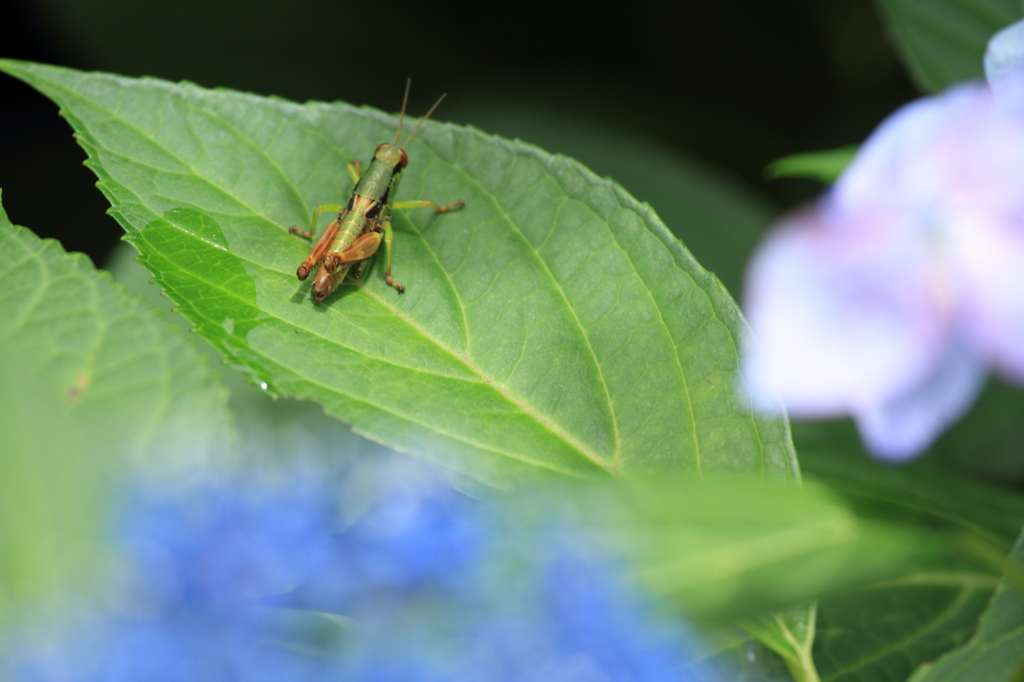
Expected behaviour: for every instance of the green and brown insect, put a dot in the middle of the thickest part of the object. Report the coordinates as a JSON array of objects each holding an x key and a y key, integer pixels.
[{"x": 356, "y": 234}]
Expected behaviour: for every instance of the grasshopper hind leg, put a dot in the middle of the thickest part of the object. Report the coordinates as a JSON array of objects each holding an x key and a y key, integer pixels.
[
  {"x": 322, "y": 245},
  {"x": 318, "y": 252}
]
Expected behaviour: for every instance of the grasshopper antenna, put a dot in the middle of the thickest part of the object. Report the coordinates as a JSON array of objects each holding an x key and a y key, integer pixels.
[
  {"x": 422, "y": 120},
  {"x": 401, "y": 116}
]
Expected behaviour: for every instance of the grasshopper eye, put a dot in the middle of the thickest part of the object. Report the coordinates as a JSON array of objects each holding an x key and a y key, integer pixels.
[
  {"x": 379, "y": 147},
  {"x": 405, "y": 158}
]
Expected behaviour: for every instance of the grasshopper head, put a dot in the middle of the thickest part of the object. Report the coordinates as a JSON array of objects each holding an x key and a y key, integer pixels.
[
  {"x": 325, "y": 282},
  {"x": 392, "y": 154}
]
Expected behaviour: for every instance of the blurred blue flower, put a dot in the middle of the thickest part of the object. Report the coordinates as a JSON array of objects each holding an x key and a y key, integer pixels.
[
  {"x": 226, "y": 543},
  {"x": 246, "y": 582},
  {"x": 890, "y": 298},
  {"x": 200, "y": 562},
  {"x": 571, "y": 619},
  {"x": 413, "y": 539}
]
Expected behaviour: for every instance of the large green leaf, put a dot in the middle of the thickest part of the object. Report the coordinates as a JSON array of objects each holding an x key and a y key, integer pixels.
[
  {"x": 553, "y": 325},
  {"x": 883, "y": 629},
  {"x": 92, "y": 383},
  {"x": 943, "y": 41}
]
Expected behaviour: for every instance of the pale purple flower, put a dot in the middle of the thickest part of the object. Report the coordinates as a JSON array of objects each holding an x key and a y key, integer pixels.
[{"x": 890, "y": 298}]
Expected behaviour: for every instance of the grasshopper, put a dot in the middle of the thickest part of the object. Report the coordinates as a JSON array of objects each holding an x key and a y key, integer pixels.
[{"x": 355, "y": 235}]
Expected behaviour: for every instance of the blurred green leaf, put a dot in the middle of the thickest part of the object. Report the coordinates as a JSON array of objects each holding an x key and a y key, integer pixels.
[
  {"x": 724, "y": 547},
  {"x": 824, "y": 166},
  {"x": 93, "y": 383},
  {"x": 943, "y": 41},
  {"x": 553, "y": 325},
  {"x": 883, "y": 629},
  {"x": 996, "y": 653}
]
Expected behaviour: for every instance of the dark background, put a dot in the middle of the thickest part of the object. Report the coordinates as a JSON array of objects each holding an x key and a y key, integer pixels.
[{"x": 737, "y": 83}]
